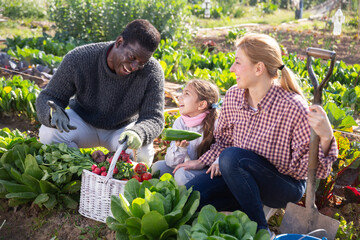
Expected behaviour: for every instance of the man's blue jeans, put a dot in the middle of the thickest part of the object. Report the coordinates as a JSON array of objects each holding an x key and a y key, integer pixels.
[{"x": 248, "y": 181}]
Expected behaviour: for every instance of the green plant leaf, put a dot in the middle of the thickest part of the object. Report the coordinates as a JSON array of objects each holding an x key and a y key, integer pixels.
[
  {"x": 26, "y": 195},
  {"x": 155, "y": 201},
  {"x": 151, "y": 230},
  {"x": 190, "y": 208},
  {"x": 49, "y": 204},
  {"x": 3, "y": 174},
  {"x": 31, "y": 182},
  {"x": 133, "y": 225},
  {"x": 169, "y": 234},
  {"x": 114, "y": 225},
  {"x": 262, "y": 234},
  {"x": 250, "y": 227},
  {"x": 48, "y": 187},
  {"x": 184, "y": 232},
  {"x": 68, "y": 201},
  {"x": 139, "y": 207},
  {"x": 32, "y": 167},
  {"x": 14, "y": 187},
  {"x": 72, "y": 187},
  {"x": 117, "y": 210},
  {"x": 131, "y": 191},
  {"x": 41, "y": 198}
]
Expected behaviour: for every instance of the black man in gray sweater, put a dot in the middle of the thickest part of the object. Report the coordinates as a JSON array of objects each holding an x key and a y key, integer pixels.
[{"x": 115, "y": 90}]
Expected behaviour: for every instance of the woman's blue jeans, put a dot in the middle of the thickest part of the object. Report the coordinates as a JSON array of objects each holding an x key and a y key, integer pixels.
[{"x": 247, "y": 183}]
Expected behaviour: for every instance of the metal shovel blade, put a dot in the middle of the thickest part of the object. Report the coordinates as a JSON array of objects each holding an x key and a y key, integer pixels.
[{"x": 297, "y": 220}]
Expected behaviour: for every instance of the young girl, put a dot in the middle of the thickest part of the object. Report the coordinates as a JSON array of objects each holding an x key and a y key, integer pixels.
[{"x": 198, "y": 109}]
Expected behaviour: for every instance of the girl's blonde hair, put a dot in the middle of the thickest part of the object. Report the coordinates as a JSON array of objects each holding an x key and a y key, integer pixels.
[
  {"x": 265, "y": 49},
  {"x": 210, "y": 93}
]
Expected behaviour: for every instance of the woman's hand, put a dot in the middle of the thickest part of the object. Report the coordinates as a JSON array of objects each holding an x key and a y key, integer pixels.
[
  {"x": 320, "y": 123},
  {"x": 214, "y": 170},
  {"x": 190, "y": 165},
  {"x": 182, "y": 143}
]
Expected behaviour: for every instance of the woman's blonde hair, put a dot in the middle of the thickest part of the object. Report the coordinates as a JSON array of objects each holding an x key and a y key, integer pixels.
[
  {"x": 265, "y": 49},
  {"x": 210, "y": 93}
]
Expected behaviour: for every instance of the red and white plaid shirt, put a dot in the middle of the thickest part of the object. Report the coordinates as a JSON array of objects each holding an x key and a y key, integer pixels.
[{"x": 278, "y": 131}]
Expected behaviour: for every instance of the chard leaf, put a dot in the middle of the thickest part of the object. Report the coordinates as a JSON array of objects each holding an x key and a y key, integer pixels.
[
  {"x": 262, "y": 234},
  {"x": 144, "y": 185},
  {"x": 114, "y": 225},
  {"x": 133, "y": 225},
  {"x": 32, "y": 168},
  {"x": 72, "y": 187},
  {"x": 15, "y": 174},
  {"x": 14, "y": 187},
  {"x": 41, "y": 198},
  {"x": 207, "y": 216},
  {"x": 26, "y": 195},
  {"x": 4, "y": 174},
  {"x": 190, "y": 208},
  {"x": 119, "y": 210},
  {"x": 131, "y": 191},
  {"x": 247, "y": 236},
  {"x": 243, "y": 218},
  {"x": 49, "y": 204},
  {"x": 250, "y": 227},
  {"x": 199, "y": 236},
  {"x": 139, "y": 207},
  {"x": 184, "y": 232},
  {"x": 48, "y": 187},
  {"x": 154, "y": 201},
  {"x": 169, "y": 234},
  {"x": 151, "y": 230},
  {"x": 31, "y": 182},
  {"x": 13, "y": 202},
  {"x": 69, "y": 201}
]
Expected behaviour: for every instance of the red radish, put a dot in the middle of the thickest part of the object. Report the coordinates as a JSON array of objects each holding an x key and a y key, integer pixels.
[
  {"x": 93, "y": 167},
  {"x": 110, "y": 159},
  {"x": 146, "y": 176},
  {"x": 116, "y": 170},
  {"x": 103, "y": 169},
  {"x": 140, "y": 168},
  {"x": 97, "y": 171},
  {"x": 103, "y": 174}
]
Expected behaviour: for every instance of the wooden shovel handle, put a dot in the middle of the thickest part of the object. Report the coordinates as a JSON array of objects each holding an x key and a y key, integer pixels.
[
  {"x": 320, "y": 53},
  {"x": 314, "y": 138}
]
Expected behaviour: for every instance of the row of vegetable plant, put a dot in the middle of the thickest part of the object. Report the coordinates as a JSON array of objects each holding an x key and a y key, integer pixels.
[{"x": 18, "y": 96}]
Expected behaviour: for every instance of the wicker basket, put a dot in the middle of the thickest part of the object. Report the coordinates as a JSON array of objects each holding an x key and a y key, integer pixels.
[{"x": 96, "y": 191}]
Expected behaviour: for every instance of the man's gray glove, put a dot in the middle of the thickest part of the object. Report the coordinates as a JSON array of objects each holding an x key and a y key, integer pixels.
[{"x": 59, "y": 118}]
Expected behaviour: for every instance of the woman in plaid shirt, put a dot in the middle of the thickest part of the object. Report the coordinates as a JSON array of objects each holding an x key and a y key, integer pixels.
[{"x": 263, "y": 137}]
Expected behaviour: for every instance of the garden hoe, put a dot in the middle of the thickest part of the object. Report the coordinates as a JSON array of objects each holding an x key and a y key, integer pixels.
[{"x": 298, "y": 219}]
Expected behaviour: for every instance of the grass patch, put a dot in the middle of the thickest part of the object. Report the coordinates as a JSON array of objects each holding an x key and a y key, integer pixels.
[
  {"x": 23, "y": 28},
  {"x": 252, "y": 15}
]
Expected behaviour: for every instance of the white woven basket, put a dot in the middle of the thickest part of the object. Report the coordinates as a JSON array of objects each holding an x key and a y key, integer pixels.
[{"x": 96, "y": 191}]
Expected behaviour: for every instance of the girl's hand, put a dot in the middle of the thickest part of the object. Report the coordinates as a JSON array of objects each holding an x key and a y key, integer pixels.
[
  {"x": 182, "y": 143},
  {"x": 319, "y": 121},
  {"x": 214, "y": 170},
  {"x": 190, "y": 165}
]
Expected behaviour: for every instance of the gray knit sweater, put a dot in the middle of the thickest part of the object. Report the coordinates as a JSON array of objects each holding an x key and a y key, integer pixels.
[{"x": 104, "y": 99}]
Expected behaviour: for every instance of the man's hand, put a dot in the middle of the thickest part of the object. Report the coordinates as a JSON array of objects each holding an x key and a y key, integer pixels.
[
  {"x": 133, "y": 139},
  {"x": 190, "y": 165},
  {"x": 59, "y": 118}
]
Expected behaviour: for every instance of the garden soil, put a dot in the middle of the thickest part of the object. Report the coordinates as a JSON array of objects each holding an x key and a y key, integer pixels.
[{"x": 30, "y": 222}]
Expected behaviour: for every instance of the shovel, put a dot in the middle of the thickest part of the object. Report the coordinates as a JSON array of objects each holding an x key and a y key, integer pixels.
[{"x": 298, "y": 219}]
